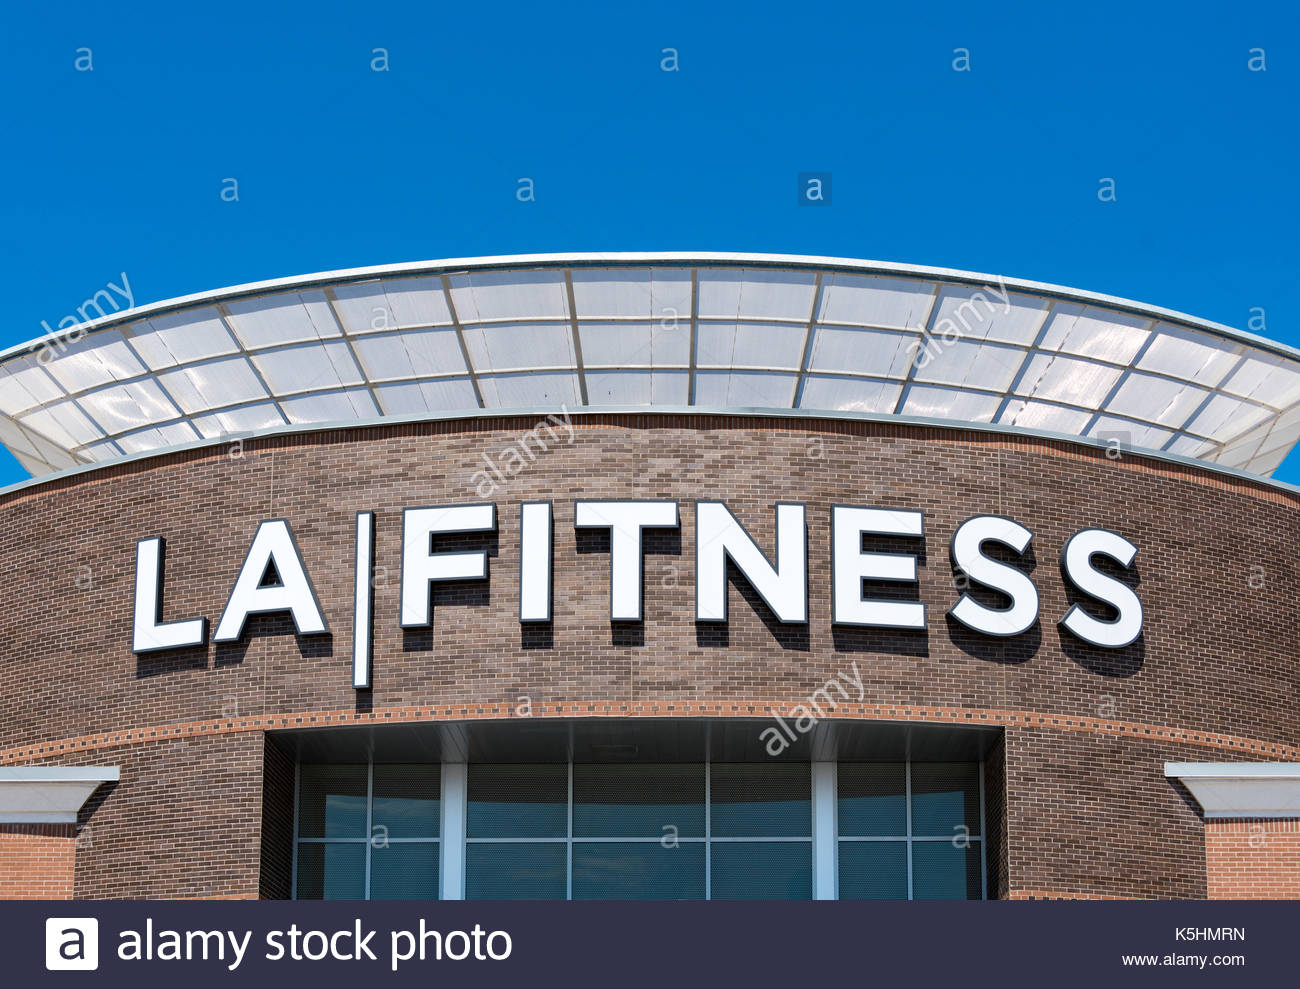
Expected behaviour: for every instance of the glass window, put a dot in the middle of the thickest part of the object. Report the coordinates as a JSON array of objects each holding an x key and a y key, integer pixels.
[
  {"x": 927, "y": 848},
  {"x": 640, "y": 831},
  {"x": 643, "y": 870},
  {"x": 872, "y": 798},
  {"x": 761, "y": 870},
  {"x": 873, "y": 870},
  {"x": 368, "y": 832},
  {"x": 644, "y": 801},
  {"x": 332, "y": 801},
  {"x": 945, "y": 798},
  {"x": 518, "y": 801},
  {"x": 405, "y": 870},
  {"x": 761, "y": 799},
  {"x": 331, "y": 871},
  {"x": 535, "y": 870},
  {"x": 406, "y": 801},
  {"x": 942, "y": 870}
]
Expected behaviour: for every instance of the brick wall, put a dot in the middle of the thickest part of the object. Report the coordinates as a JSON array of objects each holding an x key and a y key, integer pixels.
[
  {"x": 1252, "y": 859},
  {"x": 36, "y": 861},
  {"x": 1215, "y": 677}
]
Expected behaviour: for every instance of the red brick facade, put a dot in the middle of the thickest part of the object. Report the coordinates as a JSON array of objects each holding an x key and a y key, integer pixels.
[
  {"x": 1086, "y": 810},
  {"x": 1253, "y": 859},
  {"x": 37, "y": 861}
]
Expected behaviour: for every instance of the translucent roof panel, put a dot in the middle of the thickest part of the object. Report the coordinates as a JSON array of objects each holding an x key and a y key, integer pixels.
[
  {"x": 647, "y": 294},
  {"x": 850, "y": 394},
  {"x": 437, "y": 395},
  {"x": 412, "y": 354},
  {"x": 179, "y": 338},
  {"x": 1097, "y": 333},
  {"x": 982, "y": 365},
  {"x": 981, "y": 313},
  {"x": 869, "y": 300},
  {"x": 757, "y": 294},
  {"x": 837, "y": 349},
  {"x": 640, "y": 343},
  {"x": 1045, "y": 415},
  {"x": 709, "y": 331},
  {"x": 638, "y": 388},
  {"x": 744, "y": 390},
  {"x": 759, "y": 345},
  {"x": 529, "y": 389},
  {"x": 25, "y": 384},
  {"x": 512, "y": 346},
  {"x": 292, "y": 317},
  {"x": 87, "y": 363}
]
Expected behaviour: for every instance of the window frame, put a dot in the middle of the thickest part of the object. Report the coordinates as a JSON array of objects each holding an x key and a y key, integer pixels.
[
  {"x": 910, "y": 838},
  {"x": 369, "y": 838},
  {"x": 707, "y": 839}
]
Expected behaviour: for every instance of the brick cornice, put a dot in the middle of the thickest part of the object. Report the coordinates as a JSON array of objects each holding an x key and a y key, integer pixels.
[{"x": 988, "y": 717}]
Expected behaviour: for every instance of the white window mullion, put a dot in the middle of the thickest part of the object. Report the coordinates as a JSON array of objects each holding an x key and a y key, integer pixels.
[
  {"x": 984, "y": 832},
  {"x": 708, "y": 828},
  {"x": 907, "y": 797},
  {"x": 568, "y": 868},
  {"x": 824, "y": 851},
  {"x": 451, "y": 834},
  {"x": 370, "y": 805}
]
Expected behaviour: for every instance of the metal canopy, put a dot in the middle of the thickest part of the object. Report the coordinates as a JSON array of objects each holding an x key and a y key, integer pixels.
[{"x": 711, "y": 331}]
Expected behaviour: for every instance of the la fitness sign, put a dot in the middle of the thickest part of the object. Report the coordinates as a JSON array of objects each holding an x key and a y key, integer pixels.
[{"x": 782, "y": 582}]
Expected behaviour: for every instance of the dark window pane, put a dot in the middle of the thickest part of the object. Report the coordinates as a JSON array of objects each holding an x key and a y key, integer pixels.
[
  {"x": 332, "y": 872},
  {"x": 944, "y": 871},
  {"x": 332, "y": 802},
  {"x": 873, "y": 870},
  {"x": 523, "y": 871},
  {"x": 760, "y": 799},
  {"x": 945, "y": 799},
  {"x": 404, "y": 871},
  {"x": 761, "y": 870},
  {"x": 638, "y": 871},
  {"x": 873, "y": 798},
  {"x": 518, "y": 801},
  {"x": 406, "y": 802},
  {"x": 643, "y": 801}
]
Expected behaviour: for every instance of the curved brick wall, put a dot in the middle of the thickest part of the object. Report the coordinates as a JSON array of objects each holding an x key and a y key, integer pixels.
[{"x": 1087, "y": 809}]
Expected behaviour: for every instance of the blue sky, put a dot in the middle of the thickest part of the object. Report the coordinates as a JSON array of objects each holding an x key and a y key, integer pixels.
[{"x": 996, "y": 169}]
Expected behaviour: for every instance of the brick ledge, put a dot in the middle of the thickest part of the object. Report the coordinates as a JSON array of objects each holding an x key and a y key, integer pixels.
[{"x": 990, "y": 717}]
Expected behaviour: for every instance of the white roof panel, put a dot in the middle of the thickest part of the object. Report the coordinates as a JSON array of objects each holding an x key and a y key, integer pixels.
[
  {"x": 650, "y": 343},
  {"x": 973, "y": 312},
  {"x": 728, "y": 293},
  {"x": 770, "y": 345},
  {"x": 850, "y": 394},
  {"x": 1098, "y": 333},
  {"x": 713, "y": 331},
  {"x": 638, "y": 388},
  {"x": 662, "y": 294},
  {"x": 169, "y": 339}
]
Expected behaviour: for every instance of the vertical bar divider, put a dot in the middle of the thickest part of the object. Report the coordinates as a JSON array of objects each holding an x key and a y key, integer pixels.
[
  {"x": 907, "y": 796},
  {"x": 451, "y": 838},
  {"x": 370, "y": 809},
  {"x": 825, "y": 852}
]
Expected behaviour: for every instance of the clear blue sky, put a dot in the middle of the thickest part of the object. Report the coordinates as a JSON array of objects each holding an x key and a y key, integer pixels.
[{"x": 996, "y": 169}]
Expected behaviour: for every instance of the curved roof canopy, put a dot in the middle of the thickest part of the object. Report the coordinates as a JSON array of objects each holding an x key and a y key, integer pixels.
[{"x": 711, "y": 331}]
